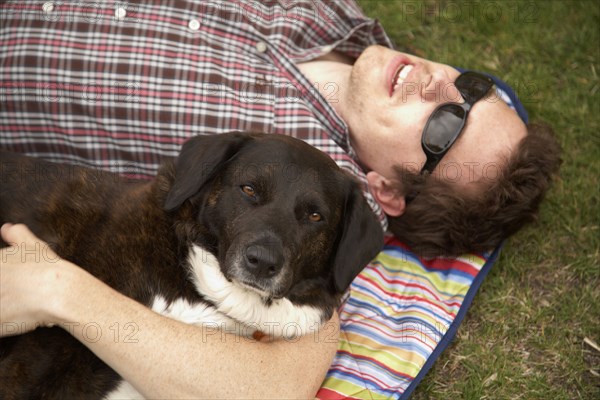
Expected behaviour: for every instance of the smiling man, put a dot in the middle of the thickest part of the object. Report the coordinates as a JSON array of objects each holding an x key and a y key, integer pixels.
[
  {"x": 386, "y": 97},
  {"x": 473, "y": 172}
]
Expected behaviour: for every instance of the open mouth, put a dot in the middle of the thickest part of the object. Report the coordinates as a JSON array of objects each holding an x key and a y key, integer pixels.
[{"x": 399, "y": 76}]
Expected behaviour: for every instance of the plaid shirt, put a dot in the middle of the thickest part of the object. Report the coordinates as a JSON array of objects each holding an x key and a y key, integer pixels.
[{"x": 120, "y": 86}]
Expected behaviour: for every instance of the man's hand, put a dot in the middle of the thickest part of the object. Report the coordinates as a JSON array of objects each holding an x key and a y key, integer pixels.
[{"x": 29, "y": 273}]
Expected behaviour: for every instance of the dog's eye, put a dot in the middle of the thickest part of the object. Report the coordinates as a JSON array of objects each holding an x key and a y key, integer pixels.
[
  {"x": 315, "y": 217},
  {"x": 248, "y": 190}
]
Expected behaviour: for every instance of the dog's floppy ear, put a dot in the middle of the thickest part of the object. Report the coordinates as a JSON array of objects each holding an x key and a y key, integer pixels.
[
  {"x": 200, "y": 158},
  {"x": 361, "y": 240}
]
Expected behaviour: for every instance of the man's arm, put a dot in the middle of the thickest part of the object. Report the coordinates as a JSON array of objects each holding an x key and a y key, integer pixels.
[{"x": 160, "y": 357}]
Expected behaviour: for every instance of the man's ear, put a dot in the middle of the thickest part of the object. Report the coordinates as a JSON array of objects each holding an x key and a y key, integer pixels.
[{"x": 387, "y": 194}]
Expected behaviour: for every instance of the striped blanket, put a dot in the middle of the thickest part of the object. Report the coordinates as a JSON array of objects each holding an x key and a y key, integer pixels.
[{"x": 398, "y": 316}]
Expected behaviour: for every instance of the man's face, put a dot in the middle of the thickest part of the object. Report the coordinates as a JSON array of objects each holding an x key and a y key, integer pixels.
[{"x": 387, "y": 116}]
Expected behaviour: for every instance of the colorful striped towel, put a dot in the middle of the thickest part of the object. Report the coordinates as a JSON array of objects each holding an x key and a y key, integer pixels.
[{"x": 400, "y": 313}]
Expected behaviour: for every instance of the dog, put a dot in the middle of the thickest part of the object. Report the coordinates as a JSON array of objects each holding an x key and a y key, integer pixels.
[{"x": 255, "y": 233}]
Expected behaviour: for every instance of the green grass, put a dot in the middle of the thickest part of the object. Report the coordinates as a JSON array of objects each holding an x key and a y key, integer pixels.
[{"x": 523, "y": 338}]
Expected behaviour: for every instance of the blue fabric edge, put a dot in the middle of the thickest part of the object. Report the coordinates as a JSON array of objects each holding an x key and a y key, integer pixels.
[
  {"x": 453, "y": 329},
  {"x": 516, "y": 103}
]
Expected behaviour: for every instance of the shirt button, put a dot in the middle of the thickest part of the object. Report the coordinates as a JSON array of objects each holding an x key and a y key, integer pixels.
[
  {"x": 120, "y": 13},
  {"x": 194, "y": 25},
  {"x": 261, "y": 47},
  {"x": 48, "y": 7}
]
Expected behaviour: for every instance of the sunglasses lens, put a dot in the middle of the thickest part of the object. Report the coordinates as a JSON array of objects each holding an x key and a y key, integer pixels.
[
  {"x": 442, "y": 128},
  {"x": 447, "y": 121},
  {"x": 473, "y": 86}
]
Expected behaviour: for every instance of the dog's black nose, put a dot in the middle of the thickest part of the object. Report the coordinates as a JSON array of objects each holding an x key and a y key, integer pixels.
[{"x": 264, "y": 261}]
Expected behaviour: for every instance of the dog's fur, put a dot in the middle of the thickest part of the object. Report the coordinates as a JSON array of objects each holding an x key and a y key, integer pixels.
[{"x": 247, "y": 231}]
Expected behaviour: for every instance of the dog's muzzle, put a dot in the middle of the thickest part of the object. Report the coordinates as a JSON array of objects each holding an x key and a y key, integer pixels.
[{"x": 261, "y": 265}]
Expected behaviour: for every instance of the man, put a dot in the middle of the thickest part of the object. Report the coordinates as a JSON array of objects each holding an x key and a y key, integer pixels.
[
  {"x": 468, "y": 198},
  {"x": 121, "y": 86}
]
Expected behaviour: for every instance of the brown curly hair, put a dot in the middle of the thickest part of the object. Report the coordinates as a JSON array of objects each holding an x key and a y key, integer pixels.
[{"x": 445, "y": 220}]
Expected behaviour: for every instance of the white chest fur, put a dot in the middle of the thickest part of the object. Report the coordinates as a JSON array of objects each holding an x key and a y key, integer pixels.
[
  {"x": 238, "y": 310},
  {"x": 280, "y": 318}
]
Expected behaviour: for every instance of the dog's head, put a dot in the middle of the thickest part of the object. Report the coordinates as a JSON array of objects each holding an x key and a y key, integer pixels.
[{"x": 280, "y": 216}]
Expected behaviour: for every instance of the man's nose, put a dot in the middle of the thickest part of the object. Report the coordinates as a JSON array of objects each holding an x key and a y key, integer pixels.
[{"x": 442, "y": 89}]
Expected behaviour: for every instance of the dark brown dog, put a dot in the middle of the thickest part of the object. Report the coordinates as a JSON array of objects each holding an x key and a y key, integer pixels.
[{"x": 264, "y": 229}]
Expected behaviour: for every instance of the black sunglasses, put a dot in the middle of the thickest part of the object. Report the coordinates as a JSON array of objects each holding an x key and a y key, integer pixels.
[{"x": 447, "y": 121}]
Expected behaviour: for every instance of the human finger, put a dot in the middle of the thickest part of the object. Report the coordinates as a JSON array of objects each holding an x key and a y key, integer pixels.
[{"x": 17, "y": 233}]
